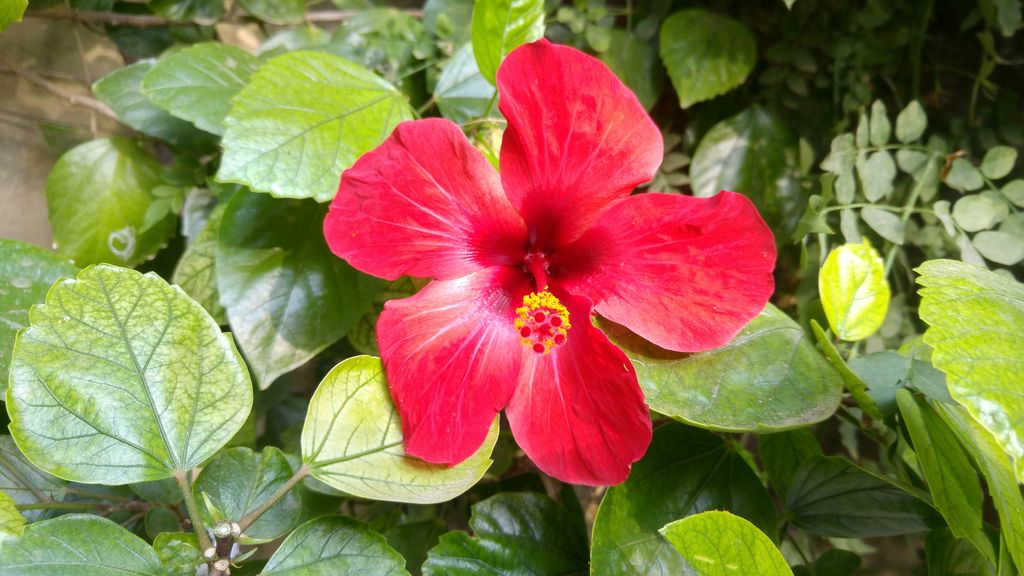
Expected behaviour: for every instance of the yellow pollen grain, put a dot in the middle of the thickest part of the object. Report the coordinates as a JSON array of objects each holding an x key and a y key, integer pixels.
[{"x": 549, "y": 304}]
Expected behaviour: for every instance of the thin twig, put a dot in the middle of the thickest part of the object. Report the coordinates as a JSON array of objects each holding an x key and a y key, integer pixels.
[
  {"x": 72, "y": 97},
  {"x": 281, "y": 492},
  {"x": 153, "y": 21},
  {"x": 193, "y": 510}
]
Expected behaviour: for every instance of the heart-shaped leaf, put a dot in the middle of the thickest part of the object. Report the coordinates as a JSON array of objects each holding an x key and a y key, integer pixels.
[{"x": 706, "y": 54}]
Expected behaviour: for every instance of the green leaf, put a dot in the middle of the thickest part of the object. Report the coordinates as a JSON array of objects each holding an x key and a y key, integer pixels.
[
  {"x": 158, "y": 520},
  {"x": 500, "y": 26},
  {"x": 975, "y": 318},
  {"x": 413, "y": 540},
  {"x": 122, "y": 364},
  {"x": 122, "y": 91},
  {"x": 12, "y": 11},
  {"x": 948, "y": 556},
  {"x": 747, "y": 153},
  {"x": 462, "y": 93},
  {"x": 1014, "y": 192},
  {"x": 635, "y": 62},
  {"x": 979, "y": 212},
  {"x": 995, "y": 466},
  {"x": 276, "y": 11},
  {"x": 166, "y": 491},
  {"x": 840, "y": 161},
  {"x": 685, "y": 471},
  {"x": 887, "y": 372},
  {"x": 238, "y": 481},
  {"x": 887, "y": 224},
  {"x": 26, "y": 273},
  {"x": 998, "y": 162},
  {"x": 880, "y": 127},
  {"x": 335, "y": 545},
  {"x": 450, "y": 20},
  {"x": 352, "y": 440},
  {"x": 854, "y": 385},
  {"x": 196, "y": 271},
  {"x": 98, "y": 195},
  {"x": 911, "y": 161},
  {"x": 876, "y": 174},
  {"x": 12, "y": 523},
  {"x": 78, "y": 545},
  {"x": 201, "y": 10},
  {"x": 198, "y": 82},
  {"x": 25, "y": 483},
  {"x": 911, "y": 123},
  {"x": 178, "y": 552},
  {"x": 286, "y": 295},
  {"x": 303, "y": 118},
  {"x": 363, "y": 336},
  {"x": 706, "y": 54},
  {"x": 831, "y": 497},
  {"x": 717, "y": 543},
  {"x": 853, "y": 290},
  {"x": 514, "y": 534},
  {"x": 782, "y": 453},
  {"x": 768, "y": 378},
  {"x": 952, "y": 481},
  {"x": 1000, "y": 247},
  {"x": 1008, "y": 14},
  {"x": 834, "y": 562},
  {"x": 963, "y": 176}
]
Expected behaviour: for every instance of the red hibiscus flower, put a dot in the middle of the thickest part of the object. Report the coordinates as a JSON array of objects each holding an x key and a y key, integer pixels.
[{"x": 521, "y": 261}]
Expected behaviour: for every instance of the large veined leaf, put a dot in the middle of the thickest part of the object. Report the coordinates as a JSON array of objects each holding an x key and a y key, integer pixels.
[
  {"x": 198, "y": 82},
  {"x": 706, "y": 54},
  {"x": 854, "y": 292},
  {"x": 335, "y": 545},
  {"x": 286, "y": 295},
  {"x": 12, "y": 523},
  {"x": 832, "y": 497},
  {"x": 303, "y": 118},
  {"x": 685, "y": 471},
  {"x": 998, "y": 472},
  {"x": 99, "y": 194},
  {"x": 122, "y": 378},
  {"x": 635, "y": 61},
  {"x": 78, "y": 545},
  {"x": 768, "y": 378},
  {"x": 500, "y": 26},
  {"x": 26, "y": 273},
  {"x": 238, "y": 481},
  {"x": 975, "y": 318},
  {"x": 748, "y": 153},
  {"x": 782, "y": 454},
  {"x": 514, "y": 534},
  {"x": 717, "y": 543},
  {"x": 25, "y": 483},
  {"x": 954, "y": 486},
  {"x": 122, "y": 91},
  {"x": 352, "y": 440}
]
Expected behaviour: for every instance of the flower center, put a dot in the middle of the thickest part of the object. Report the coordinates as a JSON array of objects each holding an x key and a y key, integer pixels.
[{"x": 542, "y": 322}]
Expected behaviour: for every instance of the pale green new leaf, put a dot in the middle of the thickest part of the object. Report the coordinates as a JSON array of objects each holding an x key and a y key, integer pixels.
[
  {"x": 717, "y": 543},
  {"x": 121, "y": 378},
  {"x": 335, "y": 545},
  {"x": 854, "y": 292},
  {"x": 880, "y": 127},
  {"x": 706, "y": 54},
  {"x": 352, "y": 440},
  {"x": 500, "y": 26},
  {"x": 303, "y": 118},
  {"x": 1000, "y": 247},
  {"x": 979, "y": 211},
  {"x": 12, "y": 523},
  {"x": 952, "y": 481},
  {"x": 98, "y": 195},
  {"x": 975, "y": 318},
  {"x": 198, "y": 82},
  {"x": 963, "y": 176},
  {"x": 78, "y": 545},
  {"x": 26, "y": 273},
  {"x": 911, "y": 123},
  {"x": 768, "y": 378},
  {"x": 998, "y": 162},
  {"x": 122, "y": 91},
  {"x": 196, "y": 271}
]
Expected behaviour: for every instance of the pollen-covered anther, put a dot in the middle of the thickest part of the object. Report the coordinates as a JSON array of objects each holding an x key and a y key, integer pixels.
[{"x": 542, "y": 322}]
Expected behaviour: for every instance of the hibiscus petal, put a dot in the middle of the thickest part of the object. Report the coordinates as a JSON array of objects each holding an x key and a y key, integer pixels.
[
  {"x": 577, "y": 139},
  {"x": 424, "y": 203},
  {"x": 685, "y": 273},
  {"x": 451, "y": 355},
  {"x": 578, "y": 412}
]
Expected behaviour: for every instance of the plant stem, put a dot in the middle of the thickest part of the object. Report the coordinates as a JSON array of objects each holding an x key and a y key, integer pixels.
[
  {"x": 281, "y": 492},
  {"x": 153, "y": 21},
  {"x": 64, "y": 506},
  {"x": 426, "y": 106},
  {"x": 193, "y": 510},
  {"x": 77, "y": 99},
  {"x": 908, "y": 208}
]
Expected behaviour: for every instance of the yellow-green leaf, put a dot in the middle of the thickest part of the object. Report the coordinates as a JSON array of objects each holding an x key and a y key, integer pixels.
[
  {"x": 853, "y": 290},
  {"x": 717, "y": 543}
]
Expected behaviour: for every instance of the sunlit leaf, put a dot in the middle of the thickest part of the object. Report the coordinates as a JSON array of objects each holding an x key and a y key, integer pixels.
[
  {"x": 717, "y": 543},
  {"x": 335, "y": 545},
  {"x": 500, "y": 26},
  {"x": 854, "y": 292}
]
